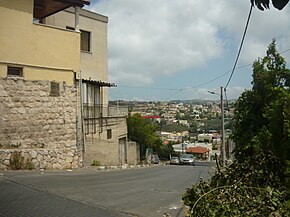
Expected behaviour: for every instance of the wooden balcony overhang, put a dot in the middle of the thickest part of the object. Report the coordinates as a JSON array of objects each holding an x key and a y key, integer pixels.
[{"x": 45, "y": 8}]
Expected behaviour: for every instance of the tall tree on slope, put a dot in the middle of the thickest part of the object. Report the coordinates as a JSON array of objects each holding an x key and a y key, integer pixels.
[{"x": 262, "y": 115}]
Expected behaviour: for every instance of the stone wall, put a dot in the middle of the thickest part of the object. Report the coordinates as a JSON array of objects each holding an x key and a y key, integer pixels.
[
  {"x": 39, "y": 159},
  {"x": 39, "y": 124},
  {"x": 133, "y": 150}
]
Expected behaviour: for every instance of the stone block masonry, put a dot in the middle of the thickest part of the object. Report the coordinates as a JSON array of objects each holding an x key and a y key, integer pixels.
[{"x": 39, "y": 123}]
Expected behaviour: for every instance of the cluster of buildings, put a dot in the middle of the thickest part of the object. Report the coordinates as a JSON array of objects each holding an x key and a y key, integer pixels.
[
  {"x": 180, "y": 112},
  {"x": 54, "y": 88},
  {"x": 206, "y": 145}
]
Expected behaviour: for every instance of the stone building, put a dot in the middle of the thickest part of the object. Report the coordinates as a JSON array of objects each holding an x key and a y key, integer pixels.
[{"x": 54, "y": 88}]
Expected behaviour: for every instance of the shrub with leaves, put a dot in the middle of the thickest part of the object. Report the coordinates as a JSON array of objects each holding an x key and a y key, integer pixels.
[
  {"x": 16, "y": 160},
  {"x": 243, "y": 189},
  {"x": 96, "y": 163}
]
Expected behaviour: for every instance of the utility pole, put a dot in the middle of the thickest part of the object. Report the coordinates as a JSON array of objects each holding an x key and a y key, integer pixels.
[{"x": 223, "y": 154}]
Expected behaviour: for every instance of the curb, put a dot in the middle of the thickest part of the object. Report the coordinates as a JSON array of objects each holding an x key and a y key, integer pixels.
[{"x": 124, "y": 166}]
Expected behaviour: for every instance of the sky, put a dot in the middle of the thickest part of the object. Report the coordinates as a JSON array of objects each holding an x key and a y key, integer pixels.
[{"x": 162, "y": 50}]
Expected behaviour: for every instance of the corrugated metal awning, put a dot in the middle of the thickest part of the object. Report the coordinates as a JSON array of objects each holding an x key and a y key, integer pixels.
[{"x": 99, "y": 83}]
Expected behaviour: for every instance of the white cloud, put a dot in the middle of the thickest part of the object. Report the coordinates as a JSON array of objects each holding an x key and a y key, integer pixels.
[
  {"x": 157, "y": 37},
  {"x": 154, "y": 38}
]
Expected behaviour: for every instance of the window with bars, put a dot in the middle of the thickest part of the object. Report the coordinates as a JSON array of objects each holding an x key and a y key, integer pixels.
[{"x": 92, "y": 107}]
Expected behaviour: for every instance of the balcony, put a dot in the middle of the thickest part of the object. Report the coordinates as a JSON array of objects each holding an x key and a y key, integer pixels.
[{"x": 96, "y": 111}]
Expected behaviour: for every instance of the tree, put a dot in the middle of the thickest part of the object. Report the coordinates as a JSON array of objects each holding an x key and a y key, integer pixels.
[
  {"x": 141, "y": 130},
  {"x": 264, "y": 4},
  {"x": 257, "y": 183},
  {"x": 262, "y": 114}
]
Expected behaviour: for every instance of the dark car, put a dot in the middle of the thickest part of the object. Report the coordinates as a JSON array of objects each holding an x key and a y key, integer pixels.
[
  {"x": 155, "y": 159},
  {"x": 187, "y": 159}
]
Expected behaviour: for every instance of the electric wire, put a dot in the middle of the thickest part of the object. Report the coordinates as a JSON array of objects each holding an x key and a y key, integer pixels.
[
  {"x": 178, "y": 90},
  {"x": 241, "y": 45},
  {"x": 193, "y": 87}
]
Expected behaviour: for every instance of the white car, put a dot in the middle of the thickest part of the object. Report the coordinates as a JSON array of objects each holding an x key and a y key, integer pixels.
[
  {"x": 187, "y": 159},
  {"x": 174, "y": 160}
]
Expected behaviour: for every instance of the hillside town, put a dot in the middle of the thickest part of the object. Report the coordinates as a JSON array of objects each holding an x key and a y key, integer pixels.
[
  {"x": 189, "y": 125},
  {"x": 67, "y": 149}
]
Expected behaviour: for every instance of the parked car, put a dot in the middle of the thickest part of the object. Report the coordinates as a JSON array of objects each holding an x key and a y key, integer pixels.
[
  {"x": 155, "y": 159},
  {"x": 174, "y": 160},
  {"x": 187, "y": 159}
]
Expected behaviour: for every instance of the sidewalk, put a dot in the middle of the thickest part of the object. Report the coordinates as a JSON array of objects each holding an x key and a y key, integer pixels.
[{"x": 17, "y": 200}]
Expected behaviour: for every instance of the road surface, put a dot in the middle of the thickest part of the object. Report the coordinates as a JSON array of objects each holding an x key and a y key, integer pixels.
[{"x": 140, "y": 192}]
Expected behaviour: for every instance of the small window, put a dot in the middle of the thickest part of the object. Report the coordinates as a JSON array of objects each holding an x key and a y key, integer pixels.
[
  {"x": 54, "y": 89},
  {"x": 85, "y": 41},
  {"x": 14, "y": 71},
  {"x": 109, "y": 134}
]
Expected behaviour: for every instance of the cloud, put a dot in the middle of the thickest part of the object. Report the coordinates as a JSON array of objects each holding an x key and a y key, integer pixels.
[
  {"x": 152, "y": 39},
  {"x": 157, "y": 37},
  {"x": 203, "y": 93}
]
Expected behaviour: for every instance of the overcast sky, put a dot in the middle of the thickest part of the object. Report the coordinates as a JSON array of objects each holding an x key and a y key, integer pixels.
[{"x": 179, "y": 49}]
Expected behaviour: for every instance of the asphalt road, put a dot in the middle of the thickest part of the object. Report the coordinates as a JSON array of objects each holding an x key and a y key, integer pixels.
[{"x": 142, "y": 192}]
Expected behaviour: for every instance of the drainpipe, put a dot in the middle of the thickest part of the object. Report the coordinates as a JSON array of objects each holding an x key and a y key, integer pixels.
[
  {"x": 77, "y": 111},
  {"x": 82, "y": 114},
  {"x": 102, "y": 110},
  {"x": 77, "y": 18}
]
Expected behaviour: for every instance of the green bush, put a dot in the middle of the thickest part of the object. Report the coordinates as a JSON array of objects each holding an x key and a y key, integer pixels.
[
  {"x": 29, "y": 165},
  {"x": 16, "y": 160},
  {"x": 250, "y": 188},
  {"x": 96, "y": 163}
]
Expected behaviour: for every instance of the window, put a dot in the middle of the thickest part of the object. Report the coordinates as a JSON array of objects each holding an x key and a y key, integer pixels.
[
  {"x": 109, "y": 133},
  {"x": 92, "y": 107},
  {"x": 14, "y": 71},
  {"x": 85, "y": 41}
]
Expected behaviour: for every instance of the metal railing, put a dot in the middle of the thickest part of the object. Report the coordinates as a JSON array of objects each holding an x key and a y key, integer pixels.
[{"x": 95, "y": 111}]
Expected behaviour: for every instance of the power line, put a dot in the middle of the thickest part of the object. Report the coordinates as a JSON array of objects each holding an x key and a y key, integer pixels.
[
  {"x": 285, "y": 51},
  {"x": 151, "y": 88},
  {"x": 241, "y": 45},
  {"x": 193, "y": 87},
  {"x": 178, "y": 90}
]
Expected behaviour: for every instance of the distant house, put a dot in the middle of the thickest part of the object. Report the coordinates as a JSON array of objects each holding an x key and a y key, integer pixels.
[
  {"x": 165, "y": 135},
  {"x": 199, "y": 151},
  {"x": 203, "y": 137},
  {"x": 54, "y": 87}
]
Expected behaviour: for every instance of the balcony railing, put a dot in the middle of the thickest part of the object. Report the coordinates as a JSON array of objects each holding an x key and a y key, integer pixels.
[{"x": 95, "y": 111}]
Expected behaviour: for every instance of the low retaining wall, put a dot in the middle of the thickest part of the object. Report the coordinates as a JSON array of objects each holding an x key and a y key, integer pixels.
[{"x": 40, "y": 159}]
